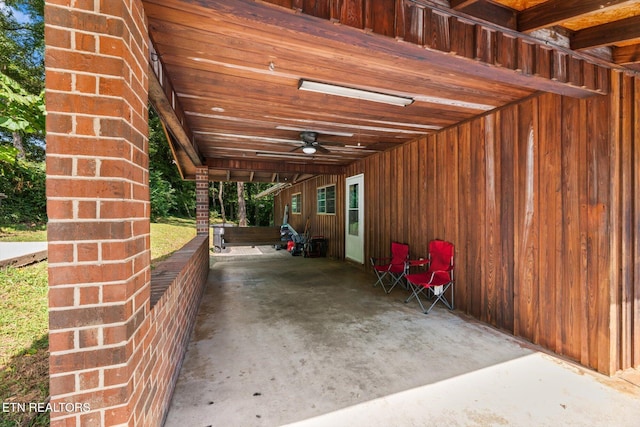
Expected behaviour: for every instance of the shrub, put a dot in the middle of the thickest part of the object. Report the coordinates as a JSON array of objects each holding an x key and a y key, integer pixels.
[{"x": 23, "y": 183}]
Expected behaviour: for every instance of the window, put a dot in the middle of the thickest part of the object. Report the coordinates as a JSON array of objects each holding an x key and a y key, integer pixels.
[
  {"x": 296, "y": 203},
  {"x": 327, "y": 200}
]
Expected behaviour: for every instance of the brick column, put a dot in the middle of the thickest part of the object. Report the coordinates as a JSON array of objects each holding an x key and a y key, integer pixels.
[
  {"x": 98, "y": 207},
  {"x": 202, "y": 200}
]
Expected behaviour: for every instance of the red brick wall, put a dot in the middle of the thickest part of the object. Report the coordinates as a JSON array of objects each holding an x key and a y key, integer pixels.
[
  {"x": 97, "y": 202},
  {"x": 202, "y": 200},
  {"x": 176, "y": 286},
  {"x": 109, "y": 350}
]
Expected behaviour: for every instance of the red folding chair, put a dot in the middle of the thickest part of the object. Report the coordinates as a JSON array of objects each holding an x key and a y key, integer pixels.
[
  {"x": 391, "y": 269},
  {"x": 438, "y": 279}
]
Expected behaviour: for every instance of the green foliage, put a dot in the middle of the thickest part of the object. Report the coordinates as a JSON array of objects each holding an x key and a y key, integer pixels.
[
  {"x": 169, "y": 194},
  {"x": 162, "y": 195},
  {"x": 22, "y": 76},
  {"x": 19, "y": 110},
  {"x": 23, "y": 183},
  {"x": 8, "y": 154},
  {"x": 22, "y": 43},
  {"x": 259, "y": 211}
]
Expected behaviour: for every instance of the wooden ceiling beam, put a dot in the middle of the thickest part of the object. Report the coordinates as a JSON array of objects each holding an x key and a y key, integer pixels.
[
  {"x": 461, "y": 4},
  {"x": 275, "y": 167},
  {"x": 554, "y": 12},
  {"x": 165, "y": 101},
  {"x": 487, "y": 11},
  {"x": 627, "y": 54},
  {"x": 606, "y": 34}
]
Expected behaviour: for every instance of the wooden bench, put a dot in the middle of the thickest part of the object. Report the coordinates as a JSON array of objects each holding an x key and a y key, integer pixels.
[{"x": 251, "y": 236}]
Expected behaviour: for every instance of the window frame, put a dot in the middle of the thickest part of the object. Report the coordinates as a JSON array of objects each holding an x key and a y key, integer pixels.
[
  {"x": 297, "y": 208},
  {"x": 318, "y": 190}
]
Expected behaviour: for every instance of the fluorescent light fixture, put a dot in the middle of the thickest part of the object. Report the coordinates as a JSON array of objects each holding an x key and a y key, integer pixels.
[
  {"x": 349, "y": 92},
  {"x": 281, "y": 155},
  {"x": 321, "y": 131},
  {"x": 309, "y": 149}
]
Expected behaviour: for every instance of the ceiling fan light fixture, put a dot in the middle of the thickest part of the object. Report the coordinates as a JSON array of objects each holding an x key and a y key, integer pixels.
[
  {"x": 349, "y": 92},
  {"x": 309, "y": 149}
]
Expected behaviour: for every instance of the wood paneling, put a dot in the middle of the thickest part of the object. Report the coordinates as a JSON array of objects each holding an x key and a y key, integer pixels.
[
  {"x": 542, "y": 202},
  {"x": 229, "y": 73},
  {"x": 330, "y": 226},
  {"x": 624, "y": 235}
]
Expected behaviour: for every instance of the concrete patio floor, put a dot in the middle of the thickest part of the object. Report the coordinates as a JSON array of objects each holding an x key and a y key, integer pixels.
[{"x": 284, "y": 340}]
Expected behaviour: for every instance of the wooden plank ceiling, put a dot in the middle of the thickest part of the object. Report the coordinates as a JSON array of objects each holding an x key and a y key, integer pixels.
[{"x": 226, "y": 73}]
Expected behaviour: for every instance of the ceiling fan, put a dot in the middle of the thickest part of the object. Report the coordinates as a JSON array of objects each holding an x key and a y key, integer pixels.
[{"x": 310, "y": 143}]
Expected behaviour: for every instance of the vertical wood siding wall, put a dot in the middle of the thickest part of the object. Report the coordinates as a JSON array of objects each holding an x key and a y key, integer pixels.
[
  {"x": 624, "y": 237},
  {"x": 542, "y": 201},
  {"x": 330, "y": 226}
]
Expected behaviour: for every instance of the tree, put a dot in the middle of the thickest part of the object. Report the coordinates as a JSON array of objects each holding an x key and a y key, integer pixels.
[
  {"x": 221, "y": 200},
  {"x": 22, "y": 70},
  {"x": 22, "y": 43},
  {"x": 170, "y": 195},
  {"x": 259, "y": 211},
  {"x": 20, "y": 112},
  {"x": 242, "y": 206},
  {"x": 23, "y": 183}
]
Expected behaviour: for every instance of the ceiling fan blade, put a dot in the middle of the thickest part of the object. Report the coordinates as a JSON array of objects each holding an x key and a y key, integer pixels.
[
  {"x": 331, "y": 144},
  {"x": 321, "y": 149},
  {"x": 295, "y": 149}
]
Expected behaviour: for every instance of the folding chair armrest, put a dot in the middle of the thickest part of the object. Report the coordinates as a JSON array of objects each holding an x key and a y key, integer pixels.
[
  {"x": 417, "y": 262},
  {"x": 434, "y": 272},
  {"x": 376, "y": 261}
]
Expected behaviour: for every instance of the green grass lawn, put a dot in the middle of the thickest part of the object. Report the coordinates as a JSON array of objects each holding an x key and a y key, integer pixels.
[
  {"x": 24, "y": 362},
  {"x": 168, "y": 237},
  {"x": 22, "y": 233}
]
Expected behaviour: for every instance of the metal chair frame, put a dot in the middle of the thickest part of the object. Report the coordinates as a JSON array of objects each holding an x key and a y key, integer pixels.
[
  {"x": 433, "y": 283},
  {"x": 392, "y": 268}
]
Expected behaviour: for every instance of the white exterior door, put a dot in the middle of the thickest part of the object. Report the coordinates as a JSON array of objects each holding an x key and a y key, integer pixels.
[{"x": 354, "y": 231}]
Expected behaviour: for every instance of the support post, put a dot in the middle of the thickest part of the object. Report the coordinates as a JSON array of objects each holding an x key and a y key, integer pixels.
[
  {"x": 202, "y": 200},
  {"x": 98, "y": 207}
]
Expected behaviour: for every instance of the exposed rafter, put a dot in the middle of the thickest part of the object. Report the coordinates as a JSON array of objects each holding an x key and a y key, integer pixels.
[
  {"x": 166, "y": 103},
  {"x": 461, "y": 4},
  {"x": 487, "y": 11},
  {"x": 627, "y": 54},
  {"x": 275, "y": 167},
  {"x": 554, "y": 12},
  {"x": 606, "y": 34}
]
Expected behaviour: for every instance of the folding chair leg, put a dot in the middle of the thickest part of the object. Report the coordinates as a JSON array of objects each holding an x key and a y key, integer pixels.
[
  {"x": 416, "y": 291},
  {"x": 441, "y": 297},
  {"x": 380, "y": 279},
  {"x": 395, "y": 282}
]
